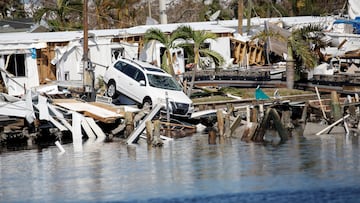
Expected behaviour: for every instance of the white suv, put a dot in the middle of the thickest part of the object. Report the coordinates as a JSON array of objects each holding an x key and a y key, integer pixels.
[{"x": 147, "y": 85}]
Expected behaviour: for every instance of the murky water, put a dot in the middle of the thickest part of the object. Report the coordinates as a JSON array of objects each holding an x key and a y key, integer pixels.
[{"x": 304, "y": 169}]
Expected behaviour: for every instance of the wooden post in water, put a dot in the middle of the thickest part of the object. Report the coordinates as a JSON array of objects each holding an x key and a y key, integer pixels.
[
  {"x": 254, "y": 115},
  {"x": 264, "y": 125},
  {"x": 286, "y": 119},
  {"x": 149, "y": 132},
  {"x": 212, "y": 136},
  {"x": 220, "y": 121},
  {"x": 129, "y": 123},
  {"x": 335, "y": 106},
  {"x": 157, "y": 142},
  {"x": 230, "y": 108},
  {"x": 227, "y": 130}
]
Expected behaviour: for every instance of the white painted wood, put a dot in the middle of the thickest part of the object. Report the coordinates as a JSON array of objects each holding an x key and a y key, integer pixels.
[
  {"x": 89, "y": 132},
  {"x": 95, "y": 110},
  {"x": 58, "y": 124},
  {"x": 61, "y": 148},
  {"x": 43, "y": 108},
  {"x": 29, "y": 105},
  {"x": 97, "y": 130},
  {"x": 59, "y": 116},
  {"x": 332, "y": 125},
  {"x": 76, "y": 131}
]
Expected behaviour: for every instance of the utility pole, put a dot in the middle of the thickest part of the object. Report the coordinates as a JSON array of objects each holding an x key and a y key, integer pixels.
[
  {"x": 149, "y": 5},
  {"x": 88, "y": 72},
  {"x": 240, "y": 15},
  {"x": 163, "y": 17}
]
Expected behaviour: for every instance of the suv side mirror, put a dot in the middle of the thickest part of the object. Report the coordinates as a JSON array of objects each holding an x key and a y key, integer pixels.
[{"x": 142, "y": 83}]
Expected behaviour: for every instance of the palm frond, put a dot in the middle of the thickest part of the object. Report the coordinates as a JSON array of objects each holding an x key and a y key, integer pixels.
[
  {"x": 156, "y": 34},
  {"x": 263, "y": 35},
  {"x": 218, "y": 59}
]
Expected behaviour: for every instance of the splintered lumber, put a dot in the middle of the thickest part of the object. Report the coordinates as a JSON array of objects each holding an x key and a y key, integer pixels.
[
  {"x": 99, "y": 111},
  {"x": 134, "y": 136},
  {"x": 332, "y": 125},
  {"x": 87, "y": 128},
  {"x": 76, "y": 131},
  {"x": 97, "y": 130},
  {"x": 59, "y": 116},
  {"x": 321, "y": 105}
]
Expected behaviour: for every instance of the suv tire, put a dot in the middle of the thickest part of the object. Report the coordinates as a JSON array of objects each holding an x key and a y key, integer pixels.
[{"x": 111, "y": 90}]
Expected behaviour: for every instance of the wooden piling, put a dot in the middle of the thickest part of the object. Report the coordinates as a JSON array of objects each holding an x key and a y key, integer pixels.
[
  {"x": 286, "y": 119},
  {"x": 304, "y": 113},
  {"x": 335, "y": 106},
  {"x": 157, "y": 142},
  {"x": 264, "y": 125},
  {"x": 212, "y": 136},
  {"x": 149, "y": 132},
  {"x": 254, "y": 115},
  {"x": 220, "y": 121},
  {"x": 230, "y": 108},
  {"x": 129, "y": 123},
  {"x": 227, "y": 130}
]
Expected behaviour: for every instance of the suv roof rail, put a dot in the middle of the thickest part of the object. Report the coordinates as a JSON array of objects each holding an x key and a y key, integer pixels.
[{"x": 134, "y": 61}]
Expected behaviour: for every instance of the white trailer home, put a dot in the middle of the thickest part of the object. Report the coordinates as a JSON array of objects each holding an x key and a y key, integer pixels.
[{"x": 28, "y": 60}]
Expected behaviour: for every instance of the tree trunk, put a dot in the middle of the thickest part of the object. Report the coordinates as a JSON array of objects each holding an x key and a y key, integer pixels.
[
  {"x": 290, "y": 69},
  {"x": 240, "y": 15},
  {"x": 170, "y": 63},
  {"x": 192, "y": 80}
]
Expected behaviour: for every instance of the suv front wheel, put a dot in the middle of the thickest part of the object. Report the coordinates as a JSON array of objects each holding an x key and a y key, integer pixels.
[
  {"x": 147, "y": 103},
  {"x": 111, "y": 90}
]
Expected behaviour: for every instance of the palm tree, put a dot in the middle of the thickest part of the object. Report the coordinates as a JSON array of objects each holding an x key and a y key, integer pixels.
[
  {"x": 103, "y": 17},
  {"x": 62, "y": 15},
  {"x": 197, "y": 39},
  {"x": 299, "y": 50},
  {"x": 12, "y": 9},
  {"x": 125, "y": 12},
  {"x": 168, "y": 41}
]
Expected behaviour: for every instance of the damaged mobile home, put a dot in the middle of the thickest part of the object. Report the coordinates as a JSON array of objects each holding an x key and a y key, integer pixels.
[{"x": 28, "y": 60}]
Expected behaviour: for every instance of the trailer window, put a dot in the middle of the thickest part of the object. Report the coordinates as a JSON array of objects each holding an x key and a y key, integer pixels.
[{"x": 16, "y": 64}]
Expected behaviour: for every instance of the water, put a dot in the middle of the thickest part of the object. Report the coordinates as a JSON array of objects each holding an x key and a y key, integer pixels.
[{"x": 304, "y": 169}]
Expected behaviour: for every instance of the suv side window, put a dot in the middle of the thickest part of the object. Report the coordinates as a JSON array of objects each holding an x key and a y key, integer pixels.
[
  {"x": 129, "y": 70},
  {"x": 119, "y": 65},
  {"x": 139, "y": 76}
]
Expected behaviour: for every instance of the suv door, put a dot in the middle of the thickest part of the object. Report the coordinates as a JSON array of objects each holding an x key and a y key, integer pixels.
[{"x": 131, "y": 82}]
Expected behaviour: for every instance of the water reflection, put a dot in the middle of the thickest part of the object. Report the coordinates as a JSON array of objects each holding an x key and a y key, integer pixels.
[{"x": 186, "y": 168}]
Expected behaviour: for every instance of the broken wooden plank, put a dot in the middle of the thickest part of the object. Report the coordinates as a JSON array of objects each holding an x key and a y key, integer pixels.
[
  {"x": 59, "y": 116},
  {"x": 43, "y": 108},
  {"x": 76, "y": 131},
  {"x": 97, "y": 130},
  {"x": 87, "y": 128},
  {"x": 141, "y": 127},
  {"x": 98, "y": 111}
]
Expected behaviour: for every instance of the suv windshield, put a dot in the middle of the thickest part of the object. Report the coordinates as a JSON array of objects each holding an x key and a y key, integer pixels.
[{"x": 163, "y": 82}]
